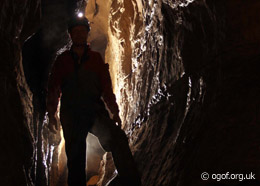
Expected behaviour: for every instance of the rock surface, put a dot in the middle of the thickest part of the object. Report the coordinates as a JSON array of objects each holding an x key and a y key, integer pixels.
[
  {"x": 16, "y": 120},
  {"x": 190, "y": 102},
  {"x": 28, "y": 149},
  {"x": 186, "y": 76},
  {"x": 107, "y": 170}
]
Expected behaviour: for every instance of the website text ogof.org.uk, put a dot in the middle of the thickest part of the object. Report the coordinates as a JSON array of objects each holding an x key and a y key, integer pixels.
[{"x": 227, "y": 176}]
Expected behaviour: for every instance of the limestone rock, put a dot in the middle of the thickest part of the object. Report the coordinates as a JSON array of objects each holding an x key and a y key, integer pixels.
[{"x": 107, "y": 170}]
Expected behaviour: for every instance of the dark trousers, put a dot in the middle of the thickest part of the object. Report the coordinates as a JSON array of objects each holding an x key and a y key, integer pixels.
[{"x": 111, "y": 138}]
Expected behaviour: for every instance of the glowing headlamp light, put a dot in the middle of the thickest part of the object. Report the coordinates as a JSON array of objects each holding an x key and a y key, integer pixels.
[{"x": 80, "y": 14}]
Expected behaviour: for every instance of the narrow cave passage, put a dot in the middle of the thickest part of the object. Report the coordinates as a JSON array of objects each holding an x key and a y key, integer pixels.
[
  {"x": 185, "y": 74},
  {"x": 41, "y": 49}
]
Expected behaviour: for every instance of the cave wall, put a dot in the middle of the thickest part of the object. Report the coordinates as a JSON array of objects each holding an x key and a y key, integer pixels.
[
  {"x": 186, "y": 82},
  {"x": 17, "y": 142},
  {"x": 31, "y": 33},
  {"x": 186, "y": 78},
  {"x": 97, "y": 12},
  {"x": 125, "y": 32}
]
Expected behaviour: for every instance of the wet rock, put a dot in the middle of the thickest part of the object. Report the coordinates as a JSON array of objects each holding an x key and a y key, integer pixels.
[
  {"x": 27, "y": 154},
  {"x": 186, "y": 78},
  {"x": 107, "y": 171},
  {"x": 190, "y": 102}
]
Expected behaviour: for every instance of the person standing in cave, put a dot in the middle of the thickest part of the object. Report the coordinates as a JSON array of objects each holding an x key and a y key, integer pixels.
[{"x": 81, "y": 78}]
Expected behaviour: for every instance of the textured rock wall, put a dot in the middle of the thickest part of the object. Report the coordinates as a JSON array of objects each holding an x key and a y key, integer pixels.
[
  {"x": 125, "y": 32},
  {"x": 188, "y": 89},
  {"x": 17, "y": 142},
  {"x": 97, "y": 12},
  {"x": 29, "y": 152},
  {"x": 186, "y": 77},
  {"x": 39, "y": 52}
]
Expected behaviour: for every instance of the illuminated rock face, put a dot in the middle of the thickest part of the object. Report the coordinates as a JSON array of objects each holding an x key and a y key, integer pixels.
[
  {"x": 186, "y": 77},
  {"x": 186, "y": 89}
]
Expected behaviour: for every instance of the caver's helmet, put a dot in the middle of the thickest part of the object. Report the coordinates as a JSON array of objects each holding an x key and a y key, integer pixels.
[{"x": 76, "y": 21}]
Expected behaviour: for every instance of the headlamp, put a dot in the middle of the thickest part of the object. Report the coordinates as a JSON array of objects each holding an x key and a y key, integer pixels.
[{"x": 80, "y": 14}]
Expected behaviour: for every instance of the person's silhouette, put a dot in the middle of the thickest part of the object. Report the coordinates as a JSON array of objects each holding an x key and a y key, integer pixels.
[{"x": 80, "y": 77}]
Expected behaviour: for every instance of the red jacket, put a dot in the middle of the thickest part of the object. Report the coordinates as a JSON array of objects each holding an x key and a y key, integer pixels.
[{"x": 64, "y": 66}]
